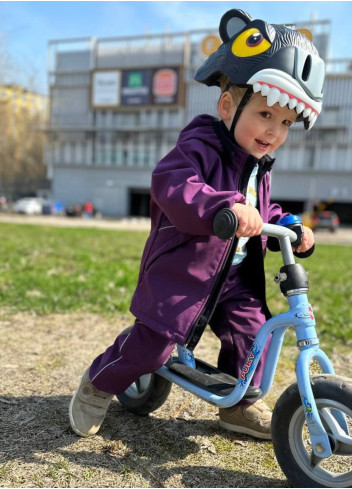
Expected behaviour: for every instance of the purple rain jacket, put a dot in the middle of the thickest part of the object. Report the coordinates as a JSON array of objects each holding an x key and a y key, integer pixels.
[{"x": 205, "y": 172}]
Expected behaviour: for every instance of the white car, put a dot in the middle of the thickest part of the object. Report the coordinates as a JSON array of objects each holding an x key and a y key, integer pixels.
[{"x": 29, "y": 205}]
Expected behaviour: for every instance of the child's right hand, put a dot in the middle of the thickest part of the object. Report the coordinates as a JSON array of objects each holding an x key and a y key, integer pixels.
[{"x": 249, "y": 221}]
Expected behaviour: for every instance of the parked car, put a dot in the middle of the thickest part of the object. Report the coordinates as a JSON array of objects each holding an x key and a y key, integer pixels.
[
  {"x": 326, "y": 220},
  {"x": 74, "y": 210},
  {"x": 80, "y": 210},
  {"x": 53, "y": 208},
  {"x": 29, "y": 205}
]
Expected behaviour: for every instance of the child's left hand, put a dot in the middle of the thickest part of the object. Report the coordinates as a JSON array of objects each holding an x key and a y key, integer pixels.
[{"x": 307, "y": 240}]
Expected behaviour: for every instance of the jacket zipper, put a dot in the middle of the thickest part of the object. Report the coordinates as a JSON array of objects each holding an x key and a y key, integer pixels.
[
  {"x": 209, "y": 307},
  {"x": 263, "y": 169}
]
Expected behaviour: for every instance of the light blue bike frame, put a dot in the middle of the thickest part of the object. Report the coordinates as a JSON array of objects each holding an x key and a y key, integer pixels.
[{"x": 301, "y": 317}]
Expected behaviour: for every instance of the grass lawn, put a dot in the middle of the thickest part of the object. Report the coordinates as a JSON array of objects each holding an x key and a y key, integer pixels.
[
  {"x": 47, "y": 269},
  {"x": 50, "y": 274},
  {"x": 58, "y": 270}
]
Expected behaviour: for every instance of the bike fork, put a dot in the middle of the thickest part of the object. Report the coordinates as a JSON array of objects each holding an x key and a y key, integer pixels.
[
  {"x": 308, "y": 344},
  {"x": 320, "y": 440}
]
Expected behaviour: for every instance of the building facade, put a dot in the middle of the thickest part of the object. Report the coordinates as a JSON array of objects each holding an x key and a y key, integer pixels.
[
  {"x": 21, "y": 100},
  {"x": 117, "y": 107},
  {"x": 22, "y": 114}
]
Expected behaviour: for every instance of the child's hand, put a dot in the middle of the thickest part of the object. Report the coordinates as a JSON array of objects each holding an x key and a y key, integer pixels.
[
  {"x": 307, "y": 240},
  {"x": 249, "y": 221}
]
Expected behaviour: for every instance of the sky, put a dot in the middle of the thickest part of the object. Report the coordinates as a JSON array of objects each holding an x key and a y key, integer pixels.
[{"x": 26, "y": 27}]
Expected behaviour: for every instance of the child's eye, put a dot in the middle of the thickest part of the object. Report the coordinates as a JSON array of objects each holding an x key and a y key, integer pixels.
[
  {"x": 287, "y": 123},
  {"x": 265, "y": 114}
]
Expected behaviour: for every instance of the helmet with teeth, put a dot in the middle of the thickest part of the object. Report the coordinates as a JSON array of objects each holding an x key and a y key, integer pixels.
[{"x": 280, "y": 63}]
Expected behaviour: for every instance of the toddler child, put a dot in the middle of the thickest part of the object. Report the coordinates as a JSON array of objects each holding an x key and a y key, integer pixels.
[{"x": 270, "y": 77}]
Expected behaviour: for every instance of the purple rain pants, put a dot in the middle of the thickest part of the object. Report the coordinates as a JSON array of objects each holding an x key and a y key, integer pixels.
[{"x": 236, "y": 321}]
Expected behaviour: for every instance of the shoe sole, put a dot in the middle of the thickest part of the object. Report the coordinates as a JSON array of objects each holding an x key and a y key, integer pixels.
[{"x": 245, "y": 431}]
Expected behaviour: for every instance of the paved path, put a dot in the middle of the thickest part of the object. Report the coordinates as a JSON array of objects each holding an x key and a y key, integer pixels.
[
  {"x": 342, "y": 236},
  {"x": 133, "y": 224}
]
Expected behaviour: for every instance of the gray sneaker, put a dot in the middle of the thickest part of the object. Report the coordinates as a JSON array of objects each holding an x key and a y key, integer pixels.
[
  {"x": 88, "y": 407},
  {"x": 252, "y": 419}
]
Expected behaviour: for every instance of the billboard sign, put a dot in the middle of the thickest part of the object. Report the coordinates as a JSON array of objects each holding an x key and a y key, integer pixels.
[
  {"x": 165, "y": 86},
  {"x": 135, "y": 87},
  {"x": 106, "y": 88},
  {"x": 147, "y": 87}
]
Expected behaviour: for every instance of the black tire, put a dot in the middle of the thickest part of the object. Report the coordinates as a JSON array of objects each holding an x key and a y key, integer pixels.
[
  {"x": 145, "y": 395},
  {"x": 291, "y": 438}
]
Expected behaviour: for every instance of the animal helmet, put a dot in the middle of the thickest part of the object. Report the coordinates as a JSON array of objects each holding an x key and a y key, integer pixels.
[{"x": 279, "y": 62}]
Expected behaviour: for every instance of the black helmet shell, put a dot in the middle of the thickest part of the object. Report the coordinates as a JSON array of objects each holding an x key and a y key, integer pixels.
[{"x": 279, "y": 62}]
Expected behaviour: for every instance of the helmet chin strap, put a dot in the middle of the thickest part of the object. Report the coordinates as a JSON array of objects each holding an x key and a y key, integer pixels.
[{"x": 240, "y": 108}]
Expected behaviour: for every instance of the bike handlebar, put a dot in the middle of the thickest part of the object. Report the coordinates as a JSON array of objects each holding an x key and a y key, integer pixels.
[
  {"x": 278, "y": 232},
  {"x": 226, "y": 223}
]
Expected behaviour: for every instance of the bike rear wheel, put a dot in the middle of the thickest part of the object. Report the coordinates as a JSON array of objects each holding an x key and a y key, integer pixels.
[
  {"x": 291, "y": 438},
  {"x": 146, "y": 394}
]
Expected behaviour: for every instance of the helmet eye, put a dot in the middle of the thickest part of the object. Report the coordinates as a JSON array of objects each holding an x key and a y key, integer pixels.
[
  {"x": 254, "y": 39},
  {"x": 250, "y": 43}
]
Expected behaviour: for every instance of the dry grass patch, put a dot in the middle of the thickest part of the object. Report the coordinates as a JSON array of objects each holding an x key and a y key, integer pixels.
[{"x": 180, "y": 445}]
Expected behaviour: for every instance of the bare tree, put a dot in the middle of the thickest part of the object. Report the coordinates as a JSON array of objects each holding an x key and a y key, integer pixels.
[
  {"x": 7, "y": 65},
  {"x": 21, "y": 138}
]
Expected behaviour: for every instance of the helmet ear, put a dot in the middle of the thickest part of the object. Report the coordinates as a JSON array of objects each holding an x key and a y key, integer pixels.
[{"x": 233, "y": 22}]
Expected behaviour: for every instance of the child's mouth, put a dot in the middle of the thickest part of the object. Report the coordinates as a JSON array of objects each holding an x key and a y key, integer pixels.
[{"x": 262, "y": 144}]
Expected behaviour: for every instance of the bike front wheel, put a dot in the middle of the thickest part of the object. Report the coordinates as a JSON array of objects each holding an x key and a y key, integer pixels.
[{"x": 291, "y": 439}]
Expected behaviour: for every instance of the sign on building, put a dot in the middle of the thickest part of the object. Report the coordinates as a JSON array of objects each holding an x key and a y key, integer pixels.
[
  {"x": 136, "y": 87},
  {"x": 106, "y": 88}
]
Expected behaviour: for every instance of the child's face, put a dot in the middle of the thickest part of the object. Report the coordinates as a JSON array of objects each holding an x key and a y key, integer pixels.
[{"x": 261, "y": 129}]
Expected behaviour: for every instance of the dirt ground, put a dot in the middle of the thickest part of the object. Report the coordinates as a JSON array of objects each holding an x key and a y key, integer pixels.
[{"x": 180, "y": 445}]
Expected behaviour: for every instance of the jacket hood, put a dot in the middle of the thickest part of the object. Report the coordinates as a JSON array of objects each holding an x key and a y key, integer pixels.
[
  {"x": 201, "y": 128},
  {"x": 213, "y": 132}
]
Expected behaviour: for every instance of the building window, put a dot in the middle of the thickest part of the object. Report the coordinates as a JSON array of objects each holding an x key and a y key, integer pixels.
[
  {"x": 328, "y": 134},
  {"x": 342, "y": 162},
  {"x": 324, "y": 161},
  {"x": 160, "y": 114},
  {"x": 124, "y": 157},
  {"x": 173, "y": 118},
  {"x": 308, "y": 158},
  {"x": 113, "y": 153},
  {"x": 329, "y": 116}
]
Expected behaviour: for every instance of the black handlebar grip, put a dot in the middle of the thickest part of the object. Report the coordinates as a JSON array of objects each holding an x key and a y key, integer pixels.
[
  {"x": 225, "y": 224},
  {"x": 298, "y": 229}
]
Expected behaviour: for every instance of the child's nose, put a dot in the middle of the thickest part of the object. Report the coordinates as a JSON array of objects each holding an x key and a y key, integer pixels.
[{"x": 273, "y": 129}]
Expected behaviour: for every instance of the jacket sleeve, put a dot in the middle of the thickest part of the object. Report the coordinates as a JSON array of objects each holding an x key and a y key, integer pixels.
[
  {"x": 276, "y": 213},
  {"x": 180, "y": 190}
]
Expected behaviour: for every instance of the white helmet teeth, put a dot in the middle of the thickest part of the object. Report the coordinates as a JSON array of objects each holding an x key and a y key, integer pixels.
[
  {"x": 284, "y": 99},
  {"x": 274, "y": 95},
  {"x": 307, "y": 112},
  {"x": 279, "y": 87},
  {"x": 292, "y": 103}
]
